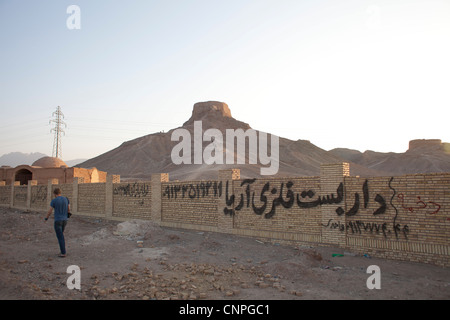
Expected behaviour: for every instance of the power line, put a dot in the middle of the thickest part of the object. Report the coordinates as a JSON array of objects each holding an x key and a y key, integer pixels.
[
  {"x": 28, "y": 141},
  {"x": 123, "y": 122},
  {"x": 30, "y": 124},
  {"x": 58, "y": 130}
]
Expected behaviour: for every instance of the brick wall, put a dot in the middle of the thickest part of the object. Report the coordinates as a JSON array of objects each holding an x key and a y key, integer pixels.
[
  {"x": 403, "y": 217},
  {"x": 20, "y": 196},
  {"x": 287, "y": 217},
  {"x": 5, "y": 195},
  {"x": 91, "y": 198},
  {"x": 190, "y": 202},
  {"x": 414, "y": 226},
  {"x": 132, "y": 200},
  {"x": 39, "y": 197}
]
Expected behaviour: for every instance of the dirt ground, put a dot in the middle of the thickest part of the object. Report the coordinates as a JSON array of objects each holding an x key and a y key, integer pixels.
[{"x": 190, "y": 265}]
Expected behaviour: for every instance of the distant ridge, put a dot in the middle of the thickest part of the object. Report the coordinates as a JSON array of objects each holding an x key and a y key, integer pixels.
[
  {"x": 75, "y": 162},
  {"x": 423, "y": 156},
  {"x": 15, "y": 159},
  {"x": 139, "y": 158}
]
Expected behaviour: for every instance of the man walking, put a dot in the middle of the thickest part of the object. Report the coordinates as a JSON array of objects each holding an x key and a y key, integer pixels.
[{"x": 62, "y": 208}]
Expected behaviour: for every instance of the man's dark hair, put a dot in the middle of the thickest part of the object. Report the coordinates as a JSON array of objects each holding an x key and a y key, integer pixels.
[{"x": 57, "y": 191}]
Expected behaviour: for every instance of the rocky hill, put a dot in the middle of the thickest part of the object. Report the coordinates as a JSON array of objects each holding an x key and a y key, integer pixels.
[
  {"x": 139, "y": 158},
  {"x": 423, "y": 156}
]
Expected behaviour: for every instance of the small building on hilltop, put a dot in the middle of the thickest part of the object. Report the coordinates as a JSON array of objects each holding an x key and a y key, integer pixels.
[{"x": 47, "y": 168}]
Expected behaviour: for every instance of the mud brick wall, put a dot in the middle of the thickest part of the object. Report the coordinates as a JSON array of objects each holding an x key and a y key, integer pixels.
[
  {"x": 404, "y": 217},
  {"x": 39, "y": 197},
  {"x": 20, "y": 196},
  {"x": 252, "y": 213},
  {"x": 91, "y": 198},
  {"x": 190, "y": 202},
  {"x": 132, "y": 200},
  {"x": 5, "y": 195}
]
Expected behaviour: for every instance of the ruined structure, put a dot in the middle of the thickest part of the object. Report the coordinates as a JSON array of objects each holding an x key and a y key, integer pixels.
[{"x": 48, "y": 168}]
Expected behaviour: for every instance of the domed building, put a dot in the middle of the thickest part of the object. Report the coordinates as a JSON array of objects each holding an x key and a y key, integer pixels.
[
  {"x": 47, "y": 168},
  {"x": 49, "y": 162}
]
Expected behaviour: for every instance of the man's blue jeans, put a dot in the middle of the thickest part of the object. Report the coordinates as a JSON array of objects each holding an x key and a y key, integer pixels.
[{"x": 59, "y": 229}]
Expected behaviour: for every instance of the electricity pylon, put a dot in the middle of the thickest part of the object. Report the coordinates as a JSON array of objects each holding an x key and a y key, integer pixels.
[{"x": 58, "y": 130}]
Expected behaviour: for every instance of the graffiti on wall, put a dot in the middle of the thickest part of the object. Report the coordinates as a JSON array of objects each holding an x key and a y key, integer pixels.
[
  {"x": 265, "y": 201},
  {"x": 286, "y": 198},
  {"x": 419, "y": 206},
  {"x": 360, "y": 227},
  {"x": 366, "y": 198},
  {"x": 135, "y": 190},
  {"x": 194, "y": 191},
  {"x": 40, "y": 195}
]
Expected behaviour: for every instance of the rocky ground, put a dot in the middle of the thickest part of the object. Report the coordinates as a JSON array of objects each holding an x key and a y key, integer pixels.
[{"x": 139, "y": 260}]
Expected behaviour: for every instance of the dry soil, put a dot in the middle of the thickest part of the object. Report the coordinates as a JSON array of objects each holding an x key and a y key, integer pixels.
[{"x": 140, "y": 260}]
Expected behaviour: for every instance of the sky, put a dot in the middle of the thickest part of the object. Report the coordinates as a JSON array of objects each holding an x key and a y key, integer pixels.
[{"x": 357, "y": 74}]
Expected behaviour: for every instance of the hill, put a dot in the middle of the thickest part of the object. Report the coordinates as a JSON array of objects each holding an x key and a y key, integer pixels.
[
  {"x": 423, "y": 156},
  {"x": 139, "y": 158},
  {"x": 14, "y": 159}
]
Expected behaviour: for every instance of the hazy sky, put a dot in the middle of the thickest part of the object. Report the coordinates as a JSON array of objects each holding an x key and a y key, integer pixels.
[{"x": 361, "y": 74}]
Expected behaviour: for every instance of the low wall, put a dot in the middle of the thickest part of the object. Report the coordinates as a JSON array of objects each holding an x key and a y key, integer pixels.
[
  {"x": 132, "y": 200},
  {"x": 190, "y": 202},
  {"x": 403, "y": 217}
]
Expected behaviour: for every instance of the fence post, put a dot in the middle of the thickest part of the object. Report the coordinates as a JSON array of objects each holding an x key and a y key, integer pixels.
[
  {"x": 30, "y": 184},
  {"x": 109, "y": 196},
  {"x": 155, "y": 189},
  {"x": 331, "y": 176},
  {"x": 74, "y": 200},
  {"x": 225, "y": 222},
  {"x": 13, "y": 185}
]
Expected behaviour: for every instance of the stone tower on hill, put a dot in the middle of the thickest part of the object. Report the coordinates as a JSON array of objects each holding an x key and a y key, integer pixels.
[{"x": 139, "y": 158}]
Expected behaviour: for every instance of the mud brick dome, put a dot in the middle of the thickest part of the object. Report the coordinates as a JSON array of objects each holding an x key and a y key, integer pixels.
[
  {"x": 49, "y": 162},
  {"x": 48, "y": 169}
]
